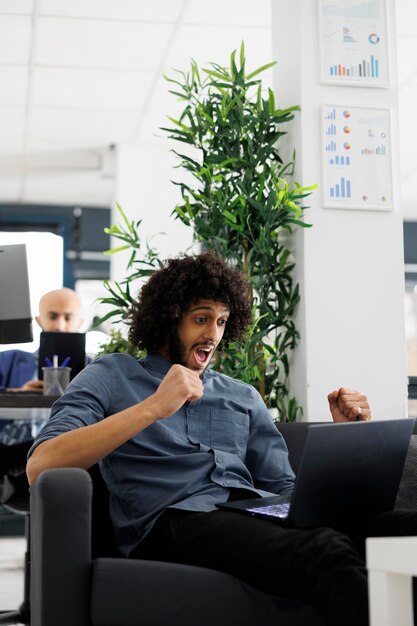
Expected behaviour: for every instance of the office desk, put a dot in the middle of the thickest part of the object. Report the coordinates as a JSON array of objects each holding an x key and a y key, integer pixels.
[
  {"x": 25, "y": 403},
  {"x": 27, "y": 413},
  {"x": 21, "y": 418},
  {"x": 28, "y": 408}
]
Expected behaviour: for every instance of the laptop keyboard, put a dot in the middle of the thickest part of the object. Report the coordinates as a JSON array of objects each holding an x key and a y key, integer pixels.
[{"x": 272, "y": 510}]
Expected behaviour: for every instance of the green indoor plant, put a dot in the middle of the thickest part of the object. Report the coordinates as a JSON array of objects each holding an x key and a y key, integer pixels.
[
  {"x": 143, "y": 261},
  {"x": 242, "y": 206}
]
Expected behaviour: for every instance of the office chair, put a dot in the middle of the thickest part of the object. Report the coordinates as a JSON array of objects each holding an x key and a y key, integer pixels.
[{"x": 14, "y": 497}]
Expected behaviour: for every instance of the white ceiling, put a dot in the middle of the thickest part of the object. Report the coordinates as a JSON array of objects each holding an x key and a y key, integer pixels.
[{"x": 77, "y": 76}]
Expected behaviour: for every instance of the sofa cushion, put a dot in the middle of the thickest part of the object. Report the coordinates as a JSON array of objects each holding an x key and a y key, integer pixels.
[{"x": 123, "y": 594}]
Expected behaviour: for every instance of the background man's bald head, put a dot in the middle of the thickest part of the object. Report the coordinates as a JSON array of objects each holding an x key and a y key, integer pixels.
[{"x": 60, "y": 311}]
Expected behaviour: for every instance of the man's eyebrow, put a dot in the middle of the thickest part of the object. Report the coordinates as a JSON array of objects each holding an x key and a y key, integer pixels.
[{"x": 206, "y": 308}]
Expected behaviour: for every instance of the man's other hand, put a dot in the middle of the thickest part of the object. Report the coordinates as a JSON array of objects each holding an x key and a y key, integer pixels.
[
  {"x": 348, "y": 405},
  {"x": 31, "y": 385}
]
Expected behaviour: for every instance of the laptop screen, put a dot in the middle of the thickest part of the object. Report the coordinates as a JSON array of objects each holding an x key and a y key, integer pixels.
[{"x": 68, "y": 347}]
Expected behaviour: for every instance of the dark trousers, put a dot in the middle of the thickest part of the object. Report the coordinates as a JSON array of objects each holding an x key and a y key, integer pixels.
[{"x": 322, "y": 566}]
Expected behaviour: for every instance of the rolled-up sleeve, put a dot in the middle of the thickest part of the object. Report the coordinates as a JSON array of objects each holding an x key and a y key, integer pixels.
[{"x": 86, "y": 400}]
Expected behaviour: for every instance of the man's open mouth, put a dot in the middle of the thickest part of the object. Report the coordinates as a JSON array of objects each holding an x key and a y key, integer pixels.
[{"x": 202, "y": 354}]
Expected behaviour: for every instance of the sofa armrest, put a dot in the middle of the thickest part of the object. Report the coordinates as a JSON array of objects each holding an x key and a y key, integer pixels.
[
  {"x": 60, "y": 505},
  {"x": 391, "y": 563}
]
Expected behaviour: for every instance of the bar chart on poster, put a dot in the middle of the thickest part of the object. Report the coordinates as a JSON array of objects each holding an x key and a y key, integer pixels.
[
  {"x": 356, "y": 158},
  {"x": 353, "y": 36}
]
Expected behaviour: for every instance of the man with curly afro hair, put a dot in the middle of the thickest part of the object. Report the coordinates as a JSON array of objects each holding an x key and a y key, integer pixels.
[
  {"x": 182, "y": 283},
  {"x": 174, "y": 439}
]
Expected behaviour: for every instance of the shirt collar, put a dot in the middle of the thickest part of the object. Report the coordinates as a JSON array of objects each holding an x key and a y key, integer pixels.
[{"x": 157, "y": 363}]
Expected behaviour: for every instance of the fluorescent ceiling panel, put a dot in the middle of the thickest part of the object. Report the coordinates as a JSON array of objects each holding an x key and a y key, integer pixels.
[
  {"x": 10, "y": 148},
  {"x": 83, "y": 127},
  {"x": 99, "y": 44},
  {"x": 90, "y": 89},
  {"x": 12, "y": 120},
  {"x": 10, "y": 188},
  {"x": 157, "y": 10},
  {"x": 15, "y": 39},
  {"x": 56, "y": 146},
  {"x": 69, "y": 188},
  {"x": 20, "y": 7},
  {"x": 14, "y": 80}
]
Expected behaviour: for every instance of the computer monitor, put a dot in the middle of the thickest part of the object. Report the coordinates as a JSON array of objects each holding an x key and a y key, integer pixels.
[{"x": 15, "y": 314}]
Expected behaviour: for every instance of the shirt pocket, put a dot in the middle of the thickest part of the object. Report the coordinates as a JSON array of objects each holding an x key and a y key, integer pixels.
[{"x": 229, "y": 431}]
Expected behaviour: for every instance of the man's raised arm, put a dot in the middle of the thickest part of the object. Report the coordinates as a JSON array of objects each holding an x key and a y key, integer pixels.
[{"x": 84, "y": 446}]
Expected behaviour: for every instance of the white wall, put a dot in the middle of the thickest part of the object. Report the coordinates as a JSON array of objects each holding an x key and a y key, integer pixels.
[
  {"x": 350, "y": 264},
  {"x": 145, "y": 191}
]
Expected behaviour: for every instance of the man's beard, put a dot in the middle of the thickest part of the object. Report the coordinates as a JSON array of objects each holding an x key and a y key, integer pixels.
[{"x": 176, "y": 349}]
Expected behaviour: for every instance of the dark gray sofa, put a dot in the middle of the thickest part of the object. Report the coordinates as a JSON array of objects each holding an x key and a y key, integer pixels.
[
  {"x": 72, "y": 587},
  {"x": 76, "y": 580}
]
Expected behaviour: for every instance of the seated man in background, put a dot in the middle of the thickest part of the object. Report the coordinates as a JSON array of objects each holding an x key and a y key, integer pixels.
[
  {"x": 59, "y": 311},
  {"x": 173, "y": 438}
]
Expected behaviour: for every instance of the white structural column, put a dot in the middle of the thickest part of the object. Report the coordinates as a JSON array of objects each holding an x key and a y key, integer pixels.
[{"x": 350, "y": 263}]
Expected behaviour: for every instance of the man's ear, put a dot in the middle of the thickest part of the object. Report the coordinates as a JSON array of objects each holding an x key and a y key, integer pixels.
[{"x": 37, "y": 318}]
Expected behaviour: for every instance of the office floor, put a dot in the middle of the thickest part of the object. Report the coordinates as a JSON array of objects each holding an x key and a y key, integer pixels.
[{"x": 12, "y": 551}]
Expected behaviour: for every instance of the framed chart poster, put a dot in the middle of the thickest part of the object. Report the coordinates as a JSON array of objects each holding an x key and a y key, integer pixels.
[
  {"x": 353, "y": 42},
  {"x": 356, "y": 157}
]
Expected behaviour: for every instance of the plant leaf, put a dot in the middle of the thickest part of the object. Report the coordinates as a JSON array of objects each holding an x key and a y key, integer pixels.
[{"x": 260, "y": 69}]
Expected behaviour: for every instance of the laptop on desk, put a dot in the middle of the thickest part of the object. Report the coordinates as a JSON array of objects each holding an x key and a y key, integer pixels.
[
  {"x": 69, "y": 348},
  {"x": 348, "y": 472}
]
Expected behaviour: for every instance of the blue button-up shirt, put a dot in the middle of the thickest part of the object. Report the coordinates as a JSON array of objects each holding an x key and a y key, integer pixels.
[{"x": 190, "y": 460}]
